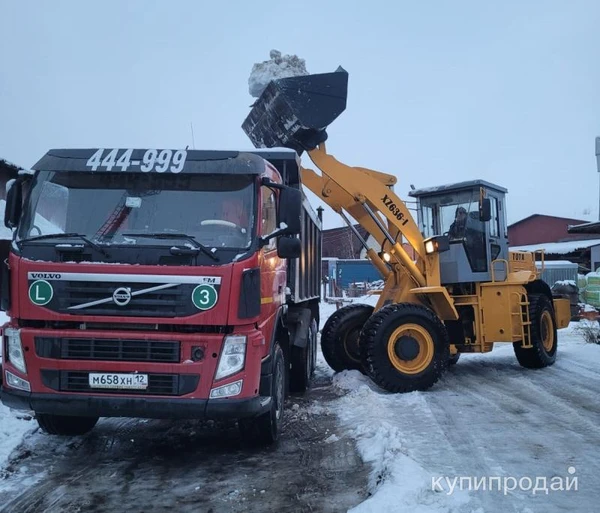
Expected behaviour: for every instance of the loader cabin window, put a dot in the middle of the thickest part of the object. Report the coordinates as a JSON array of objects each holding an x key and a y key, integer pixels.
[
  {"x": 134, "y": 209},
  {"x": 457, "y": 216}
]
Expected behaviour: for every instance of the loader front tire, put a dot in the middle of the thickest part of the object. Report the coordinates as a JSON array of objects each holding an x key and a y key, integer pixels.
[
  {"x": 544, "y": 339},
  {"x": 340, "y": 337},
  {"x": 405, "y": 348}
]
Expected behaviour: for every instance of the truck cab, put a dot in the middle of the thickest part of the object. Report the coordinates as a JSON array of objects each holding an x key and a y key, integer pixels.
[
  {"x": 159, "y": 284},
  {"x": 472, "y": 215}
]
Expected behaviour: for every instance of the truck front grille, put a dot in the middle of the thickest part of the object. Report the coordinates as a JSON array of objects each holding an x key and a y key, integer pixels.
[
  {"x": 115, "y": 350},
  {"x": 78, "y": 298}
]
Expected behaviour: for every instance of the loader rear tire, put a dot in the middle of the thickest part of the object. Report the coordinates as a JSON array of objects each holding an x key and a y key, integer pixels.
[
  {"x": 405, "y": 348},
  {"x": 341, "y": 335},
  {"x": 544, "y": 338},
  {"x": 64, "y": 425}
]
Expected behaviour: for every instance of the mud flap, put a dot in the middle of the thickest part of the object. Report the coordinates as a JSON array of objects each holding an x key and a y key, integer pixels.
[
  {"x": 299, "y": 324},
  {"x": 294, "y": 112}
]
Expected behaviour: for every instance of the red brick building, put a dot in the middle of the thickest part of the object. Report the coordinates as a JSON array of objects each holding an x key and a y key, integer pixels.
[{"x": 540, "y": 228}]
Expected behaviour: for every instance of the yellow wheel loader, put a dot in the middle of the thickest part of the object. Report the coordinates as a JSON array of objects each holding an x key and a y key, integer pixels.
[{"x": 451, "y": 284}]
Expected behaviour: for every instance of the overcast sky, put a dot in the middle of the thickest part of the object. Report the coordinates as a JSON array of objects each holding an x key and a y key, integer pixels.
[{"x": 439, "y": 91}]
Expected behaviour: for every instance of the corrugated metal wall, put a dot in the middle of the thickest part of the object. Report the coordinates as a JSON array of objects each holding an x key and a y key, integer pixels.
[
  {"x": 351, "y": 271},
  {"x": 553, "y": 273}
]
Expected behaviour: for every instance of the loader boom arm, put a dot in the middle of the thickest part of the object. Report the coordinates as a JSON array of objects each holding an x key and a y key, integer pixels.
[
  {"x": 294, "y": 112},
  {"x": 367, "y": 196}
]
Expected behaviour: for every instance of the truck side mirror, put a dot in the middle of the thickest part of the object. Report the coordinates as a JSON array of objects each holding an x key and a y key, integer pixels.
[
  {"x": 290, "y": 211},
  {"x": 485, "y": 210},
  {"x": 14, "y": 204},
  {"x": 289, "y": 247}
]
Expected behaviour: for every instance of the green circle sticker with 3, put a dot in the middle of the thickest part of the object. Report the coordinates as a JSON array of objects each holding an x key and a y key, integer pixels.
[
  {"x": 204, "y": 297},
  {"x": 40, "y": 292}
]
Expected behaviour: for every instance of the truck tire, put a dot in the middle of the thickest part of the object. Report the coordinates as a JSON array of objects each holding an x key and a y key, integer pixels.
[
  {"x": 264, "y": 429},
  {"x": 341, "y": 335},
  {"x": 544, "y": 338},
  {"x": 405, "y": 348},
  {"x": 303, "y": 361},
  {"x": 65, "y": 425},
  {"x": 453, "y": 360}
]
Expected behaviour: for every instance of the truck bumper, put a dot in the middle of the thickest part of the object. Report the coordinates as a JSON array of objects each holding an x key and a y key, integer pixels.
[{"x": 149, "y": 408}]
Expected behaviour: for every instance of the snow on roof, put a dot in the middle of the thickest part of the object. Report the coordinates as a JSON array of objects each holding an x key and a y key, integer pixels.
[
  {"x": 559, "y": 248},
  {"x": 556, "y": 263}
]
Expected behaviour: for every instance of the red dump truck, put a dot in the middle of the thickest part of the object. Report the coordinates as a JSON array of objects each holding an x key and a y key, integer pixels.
[{"x": 160, "y": 283}]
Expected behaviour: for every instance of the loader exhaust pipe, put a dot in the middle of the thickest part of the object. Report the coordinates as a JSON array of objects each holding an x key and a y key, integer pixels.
[{"x": 294, "y": 112}]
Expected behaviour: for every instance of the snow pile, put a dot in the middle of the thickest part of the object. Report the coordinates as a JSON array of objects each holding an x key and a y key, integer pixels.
[
  {"x": 397, "y": 482},
  {"x": 13, "y": 427},
  {"x": 278, "y": 66}
]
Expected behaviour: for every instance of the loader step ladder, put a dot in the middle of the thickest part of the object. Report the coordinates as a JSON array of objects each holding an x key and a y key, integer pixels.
[{"x": 524, "y": 320}]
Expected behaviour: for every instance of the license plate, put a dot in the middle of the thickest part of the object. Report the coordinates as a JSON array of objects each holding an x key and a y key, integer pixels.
[{"x": 118, "y": 381}]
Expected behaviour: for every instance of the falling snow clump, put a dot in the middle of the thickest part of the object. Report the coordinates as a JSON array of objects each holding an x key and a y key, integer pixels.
[{"x": 278, "y": 66}]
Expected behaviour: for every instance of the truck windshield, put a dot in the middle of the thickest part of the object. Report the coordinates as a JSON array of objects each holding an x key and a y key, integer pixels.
[{"x": 132, "y": 208}]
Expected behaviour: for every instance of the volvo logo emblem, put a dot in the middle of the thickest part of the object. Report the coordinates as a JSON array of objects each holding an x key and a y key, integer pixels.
[{"x": 122, "y": 296}]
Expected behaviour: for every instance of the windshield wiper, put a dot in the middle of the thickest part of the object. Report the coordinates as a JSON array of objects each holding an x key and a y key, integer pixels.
[
  {"x": 189, "y": 238},
  {"x": 72, "y": 235}
]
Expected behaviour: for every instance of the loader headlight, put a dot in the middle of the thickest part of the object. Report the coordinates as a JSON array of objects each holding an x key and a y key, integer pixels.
[
  {"x": 15, "y": 349},
  {"x": 233, "y": 356},
  {"x": 437, "y": 244}
]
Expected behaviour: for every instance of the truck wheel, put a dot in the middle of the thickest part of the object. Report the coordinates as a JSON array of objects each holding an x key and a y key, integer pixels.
[
  {"x": 65, "y": 425},
  {"x": 340, "y": 337},
  {"x": 303, "y": 362},
  {"x": 544, "y": 339},
  {"x": 405, "y": 347},
  {"x": 264, "y": 429}
]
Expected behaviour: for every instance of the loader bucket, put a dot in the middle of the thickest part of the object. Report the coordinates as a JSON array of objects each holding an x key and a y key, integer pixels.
[{"x": 294, "y": 112}]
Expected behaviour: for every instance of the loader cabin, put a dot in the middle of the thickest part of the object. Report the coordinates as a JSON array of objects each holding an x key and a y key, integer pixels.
[{"x": 469, "y": 218}]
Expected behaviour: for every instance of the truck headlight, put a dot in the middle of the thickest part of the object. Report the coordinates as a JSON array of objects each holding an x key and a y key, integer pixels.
[
  {"x": 17, "y": 382},
  {"x": 227, "y": 390},
  {"x": 233, "y": 356},
  {"x": 15, "y": 350}
]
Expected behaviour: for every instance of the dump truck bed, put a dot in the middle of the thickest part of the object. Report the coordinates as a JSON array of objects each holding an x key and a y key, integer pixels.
[{"x": 304, "y": 273}]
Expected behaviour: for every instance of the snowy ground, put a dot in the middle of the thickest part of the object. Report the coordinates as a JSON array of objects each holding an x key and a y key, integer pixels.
[{"x": 487, "y": 421}]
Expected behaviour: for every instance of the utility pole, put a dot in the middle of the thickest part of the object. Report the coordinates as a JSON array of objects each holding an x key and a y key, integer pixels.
[{"x": 598, "y": 165}]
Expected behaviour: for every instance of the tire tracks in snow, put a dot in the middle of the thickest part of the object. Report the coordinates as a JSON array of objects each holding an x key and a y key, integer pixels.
[{"x": 190, "y": 466}]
